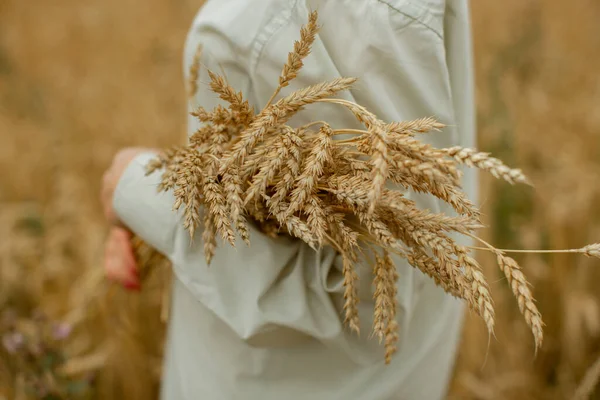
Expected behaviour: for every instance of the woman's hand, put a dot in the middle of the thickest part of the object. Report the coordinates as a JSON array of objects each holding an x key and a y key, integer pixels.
[{"x": 119, "y": 260}]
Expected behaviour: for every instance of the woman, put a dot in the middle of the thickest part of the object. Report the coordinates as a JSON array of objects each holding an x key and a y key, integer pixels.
[{"x": 263, "y": 322}]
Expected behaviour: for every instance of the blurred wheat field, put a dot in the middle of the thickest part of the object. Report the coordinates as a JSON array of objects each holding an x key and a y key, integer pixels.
[{"x": 78, "y": 80}]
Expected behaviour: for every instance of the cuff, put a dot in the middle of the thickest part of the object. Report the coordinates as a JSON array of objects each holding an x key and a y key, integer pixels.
[{"x": 142, "y": 209}]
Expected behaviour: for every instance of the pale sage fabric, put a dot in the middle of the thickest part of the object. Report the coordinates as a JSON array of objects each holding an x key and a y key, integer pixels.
[{"x": 265, "y": 322}]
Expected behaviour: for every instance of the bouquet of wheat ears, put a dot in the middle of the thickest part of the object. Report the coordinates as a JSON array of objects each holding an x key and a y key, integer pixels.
[{"x": 306, "y": 182}]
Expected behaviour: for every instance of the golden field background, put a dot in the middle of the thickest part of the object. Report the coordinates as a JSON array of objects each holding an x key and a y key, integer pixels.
[{"x": 80, "y": 79}]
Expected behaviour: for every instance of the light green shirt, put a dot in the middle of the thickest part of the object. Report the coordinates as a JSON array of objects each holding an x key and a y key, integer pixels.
[{"x": 265, "y": 322}]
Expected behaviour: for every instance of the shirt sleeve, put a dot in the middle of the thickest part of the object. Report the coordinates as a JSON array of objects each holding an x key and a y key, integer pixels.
[
  {"x": 140, "y": 207},
  {"x": 268, "y": 292}
]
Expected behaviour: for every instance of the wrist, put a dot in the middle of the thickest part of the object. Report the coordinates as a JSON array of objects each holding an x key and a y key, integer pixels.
[{"x": 134, "y": 168}]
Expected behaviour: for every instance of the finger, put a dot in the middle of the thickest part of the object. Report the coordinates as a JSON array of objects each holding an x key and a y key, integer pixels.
[
  {"x": 121, "y": 234},
  {"x": 117, "y": 264},
  {"x": 113, "y": 269},
  {"x": 109, "y": 246},
  {"x": 125, "y": 250},
  {"x": 132, "y": 286},
  {"x": 109, "y": 271},
  {"x": 118, "y": 270},
  {"x": 112, "y": 263}
]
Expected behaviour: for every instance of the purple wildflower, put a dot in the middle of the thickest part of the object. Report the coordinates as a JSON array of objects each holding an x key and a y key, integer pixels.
[
  {"x": 12, "y": 342},
  {"x": 61, "y": 331}
]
